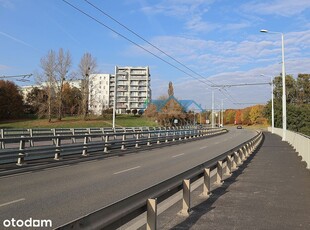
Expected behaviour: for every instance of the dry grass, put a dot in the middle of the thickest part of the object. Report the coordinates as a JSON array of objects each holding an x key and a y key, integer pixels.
[{"x": 78, "y": 122}]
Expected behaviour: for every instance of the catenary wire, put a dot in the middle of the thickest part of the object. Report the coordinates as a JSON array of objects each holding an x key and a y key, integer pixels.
[{"x": 143, "y": 48}]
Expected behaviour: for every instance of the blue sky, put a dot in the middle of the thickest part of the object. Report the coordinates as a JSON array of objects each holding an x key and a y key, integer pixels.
[{"x": 217, "y": 39}]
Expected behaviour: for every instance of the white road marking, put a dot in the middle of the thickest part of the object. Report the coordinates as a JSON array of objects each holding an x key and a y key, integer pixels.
[
  {"x": 178, "y": 155},
  {"x": 12, "y": 202},
  {"x": 126, "y": 170},
  {"x": 203, "y": 147}
]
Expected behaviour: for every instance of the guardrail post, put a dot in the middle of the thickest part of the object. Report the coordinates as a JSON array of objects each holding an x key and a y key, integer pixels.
[
  {"x": 57, "y": 150},
  {"x": 180, "y": 134},
  {"x": 237, "y": 160},
  {"x": 89, "y": 132},
  {"x": 190, "y": 134},
  {"x": 247, "y": 150},
  {"x": 84, "y": 153},
  {"x": 173, "y": 138},
  {"x": 73, "y": 140},
  {"x": 219, "y": 172},
  {"x": 229, "y": 164},
  {"x": 123, "y": 142},
  {"x": 241, "y": 155},
  {"x": 31, "y": 135},
  {"x": 21, "y": 154},
  {"x": 158, "y": 138},
  {"x": 186, "y": 197},
  {"x": 137, "y": 142},
  {"x": 185, "y": 133},
  {"x": 149, "y": 140},
  {"x": 206, "y": 182},
  {"x": 105, "y": 149},
  {"x": 151, "y": 216},
  {"x": 167, "y": 134},
  {"x": 2, "y": 144},
  {"x": 54, "y": 134}
]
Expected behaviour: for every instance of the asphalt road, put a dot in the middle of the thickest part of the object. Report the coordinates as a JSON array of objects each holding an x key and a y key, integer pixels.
[{"x": 62, "y": 194}]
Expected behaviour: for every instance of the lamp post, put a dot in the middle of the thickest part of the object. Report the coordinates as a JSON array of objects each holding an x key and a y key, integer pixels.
[
  {"x": 212, "y": 113},
  {"x": 272, "y": 103},
  {"x": 283, "y": 85},
  {"x": 222, "y": 108}
]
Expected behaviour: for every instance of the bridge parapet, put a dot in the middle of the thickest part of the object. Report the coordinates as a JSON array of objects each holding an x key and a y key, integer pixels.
[{"x": 300, "y": 142}]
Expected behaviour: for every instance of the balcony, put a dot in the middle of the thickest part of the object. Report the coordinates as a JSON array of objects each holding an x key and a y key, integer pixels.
[{"x": 122, "y": 88}]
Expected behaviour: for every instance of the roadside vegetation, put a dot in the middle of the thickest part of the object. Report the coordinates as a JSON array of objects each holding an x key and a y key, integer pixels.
[
  {"x": 79, "y": 122},
  {"x": 56, "y": 103}
]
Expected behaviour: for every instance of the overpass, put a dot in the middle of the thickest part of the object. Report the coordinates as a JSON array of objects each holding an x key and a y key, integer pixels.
[{"x": 69, "y": 191}]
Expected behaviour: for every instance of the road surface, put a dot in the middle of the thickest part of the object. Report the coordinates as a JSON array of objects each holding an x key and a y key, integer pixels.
[{"x": 62, "y": 194}]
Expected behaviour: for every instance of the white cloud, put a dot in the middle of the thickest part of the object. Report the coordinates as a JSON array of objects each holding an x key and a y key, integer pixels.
[
  {"x": 284, "y": 8},
  {"x": 8, "y": 4}
]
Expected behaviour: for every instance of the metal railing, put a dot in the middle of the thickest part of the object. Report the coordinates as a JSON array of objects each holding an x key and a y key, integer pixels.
[
  {"x": 300, "y": 142},
  {"x": 59, "y": 144},
  {"x": 119, "y": 213}
]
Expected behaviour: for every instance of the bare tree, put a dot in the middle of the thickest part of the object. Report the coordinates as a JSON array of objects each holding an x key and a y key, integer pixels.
[
  {"x": 48, "y": 64},
  {"x": 62, "y": 71},
  {"x": 87, "y": 66}
]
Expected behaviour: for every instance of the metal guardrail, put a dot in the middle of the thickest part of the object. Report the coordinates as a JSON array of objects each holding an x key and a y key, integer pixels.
[
  {"x": 87, "y": 143},
  {"x": 300, "y": 142},
  {"x": 37, "y": 132},
  {"x": 117, "y": 214}
]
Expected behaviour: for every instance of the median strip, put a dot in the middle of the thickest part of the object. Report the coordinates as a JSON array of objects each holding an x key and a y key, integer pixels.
[
  {"x": 126, "y": 170},
  {"x": 12, "y": 202}
]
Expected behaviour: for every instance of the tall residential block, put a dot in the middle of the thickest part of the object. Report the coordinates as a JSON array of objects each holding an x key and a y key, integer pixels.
[{"x": 133, "y": 88}]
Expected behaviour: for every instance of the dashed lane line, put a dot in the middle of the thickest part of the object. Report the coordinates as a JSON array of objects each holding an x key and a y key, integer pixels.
[
  {"x": 126, "y": 170},
  {"x": 12, "y": 202},
  {"x": 178, "y": 155}
]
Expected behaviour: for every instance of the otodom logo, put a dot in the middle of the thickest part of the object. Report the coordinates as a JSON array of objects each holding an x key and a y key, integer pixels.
[{"x": 29, "y": 223}]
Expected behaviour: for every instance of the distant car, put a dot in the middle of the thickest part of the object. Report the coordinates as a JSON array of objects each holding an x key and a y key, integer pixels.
[{"x": 239, "y": 127}]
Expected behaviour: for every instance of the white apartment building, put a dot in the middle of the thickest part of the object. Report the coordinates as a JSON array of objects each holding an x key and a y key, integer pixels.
[
  {"x": 133, "y": 90},
  {"x": 99, "y": 92}
]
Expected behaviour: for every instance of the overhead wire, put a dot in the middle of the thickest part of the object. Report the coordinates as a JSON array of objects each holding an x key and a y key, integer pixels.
[
  {"x": 131, "y": 41},
  {"x": 143, "y": 39},
  {"x": 143, "y": 48}
]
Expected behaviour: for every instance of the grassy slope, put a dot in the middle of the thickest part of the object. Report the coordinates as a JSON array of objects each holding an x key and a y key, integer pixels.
[{"x": 77, "y": 122}]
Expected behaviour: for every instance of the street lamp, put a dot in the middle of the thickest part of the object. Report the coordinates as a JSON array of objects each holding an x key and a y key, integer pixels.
[
  {"x": 222, "y": 104},
  {"x": 272, "y": 103},
  {"x": 212, "y": 114},
  {"x": 283, "y": 85}
]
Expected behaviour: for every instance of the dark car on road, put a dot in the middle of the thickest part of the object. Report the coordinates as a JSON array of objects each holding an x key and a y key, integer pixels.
[{"x": 239, "y": 127}]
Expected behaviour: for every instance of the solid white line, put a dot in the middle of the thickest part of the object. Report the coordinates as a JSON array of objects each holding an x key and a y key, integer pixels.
[
  {"x": 203, "y": 147},
  {"x": 126, "y": 170},
  {"x": 181, "y": 154},
  {"x": 12, "y": 202}
]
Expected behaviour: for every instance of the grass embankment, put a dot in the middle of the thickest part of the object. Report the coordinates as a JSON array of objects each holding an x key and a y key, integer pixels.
[{"x": 78, "y": 122}]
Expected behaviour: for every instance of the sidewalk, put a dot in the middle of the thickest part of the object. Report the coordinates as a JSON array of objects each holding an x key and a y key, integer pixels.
[{"x": 271, "y": 190}]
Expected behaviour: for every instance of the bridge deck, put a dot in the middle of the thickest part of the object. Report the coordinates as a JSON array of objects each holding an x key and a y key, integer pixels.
[{"x": 271, "y": 190}]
